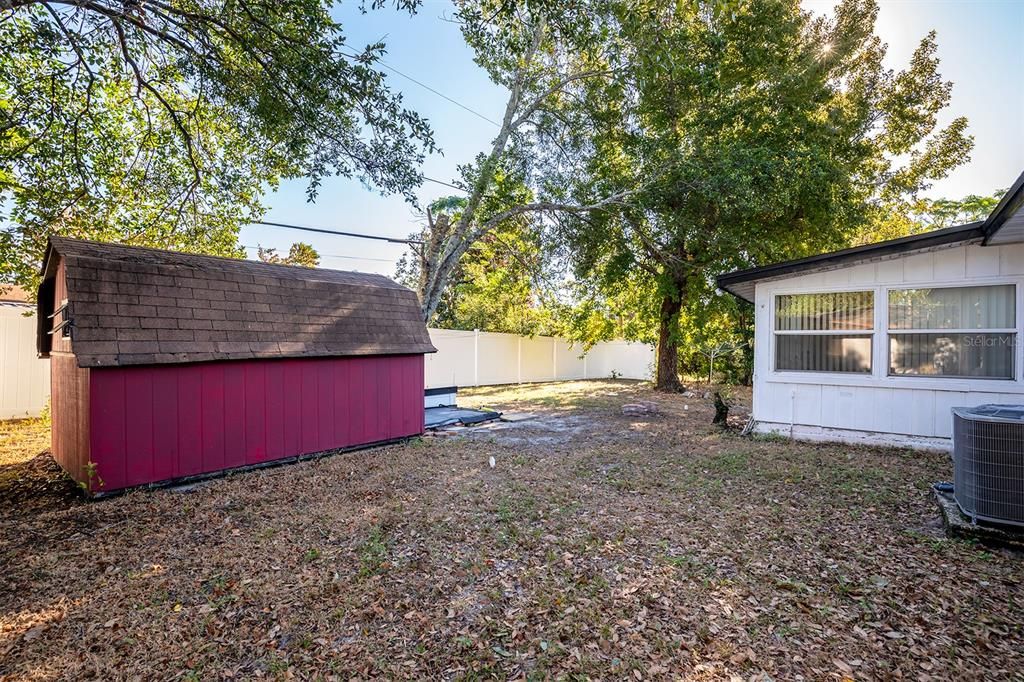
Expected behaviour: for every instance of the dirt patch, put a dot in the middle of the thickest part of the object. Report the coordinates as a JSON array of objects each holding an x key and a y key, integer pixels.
[
  {"x": 30, "y": 481},
  {"x": 36, "y": 485},
  {"x": 652, "y": 548},
  {"x": 549, "y": 429}
]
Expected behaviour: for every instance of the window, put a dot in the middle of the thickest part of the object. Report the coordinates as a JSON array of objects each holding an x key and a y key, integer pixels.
[
  {"x": 824, "y": 332},
  {"x": 953, "y": 332}
]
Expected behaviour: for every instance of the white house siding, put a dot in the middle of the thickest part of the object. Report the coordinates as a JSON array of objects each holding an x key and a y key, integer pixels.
[
  {"x": 878, "y": 408},
  {"x": 24, "y": 378}
]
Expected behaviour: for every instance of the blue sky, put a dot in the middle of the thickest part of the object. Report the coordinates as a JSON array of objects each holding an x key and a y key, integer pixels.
[{"x": 980, "y": 45}]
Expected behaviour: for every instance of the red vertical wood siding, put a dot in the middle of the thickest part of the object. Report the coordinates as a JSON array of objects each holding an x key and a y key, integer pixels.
[
  {"x": 108, "y": 431},
  {"x": 59, "y": 342},
  {"x": 69, "y": 397},
  {"x": 186, "y": 384},
  {"x": 69, "y": 415},
  {"x": 165, "y": 429},
  {"x": 156, "y": 423}
]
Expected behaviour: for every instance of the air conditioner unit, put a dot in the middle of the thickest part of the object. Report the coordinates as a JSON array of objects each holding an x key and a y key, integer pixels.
[{"x": 988, "y": 462}]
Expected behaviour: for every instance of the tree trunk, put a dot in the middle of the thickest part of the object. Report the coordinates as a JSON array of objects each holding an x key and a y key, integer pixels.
[
  {"x": 458, "y": 238},
  {"x": 667, "y": 377},
  {"x": 721, "y": 410}
]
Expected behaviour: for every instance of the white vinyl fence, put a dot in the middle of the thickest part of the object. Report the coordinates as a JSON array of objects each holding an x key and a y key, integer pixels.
[
  {"x": 24, "y": 378},
  {"x": 462, "y": 359},
  {"x": 470, "y": 358}
]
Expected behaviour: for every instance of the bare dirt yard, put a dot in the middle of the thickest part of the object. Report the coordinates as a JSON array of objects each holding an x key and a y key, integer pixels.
[{"x": 598, "y": 546}]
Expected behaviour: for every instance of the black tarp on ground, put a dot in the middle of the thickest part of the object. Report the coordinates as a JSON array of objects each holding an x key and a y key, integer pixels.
[{"x": 436, "y": 417}]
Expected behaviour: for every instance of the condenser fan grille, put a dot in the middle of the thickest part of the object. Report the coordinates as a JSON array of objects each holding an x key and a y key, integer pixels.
[{"x": 988, "y": 462}]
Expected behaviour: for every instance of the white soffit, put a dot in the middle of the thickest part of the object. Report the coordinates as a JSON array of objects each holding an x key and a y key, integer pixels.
[{"x": 1011, "y": 232}]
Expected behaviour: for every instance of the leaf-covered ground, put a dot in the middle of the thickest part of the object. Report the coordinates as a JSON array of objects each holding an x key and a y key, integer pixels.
[{"x": 599, "y": 546}]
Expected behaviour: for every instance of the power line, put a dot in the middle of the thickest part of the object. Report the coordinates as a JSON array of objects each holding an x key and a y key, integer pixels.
[
  {"x": 392, "y": 240},
  {"x": 446, "y": 184},
  {"x": 439, "y": 94},
  {"x": 453, "y": 101},
  {"x": 376, "y": 260},
  {"x": 336, "y": 255}
]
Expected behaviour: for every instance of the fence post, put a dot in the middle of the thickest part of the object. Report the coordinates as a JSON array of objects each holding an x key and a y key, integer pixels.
[
  {"x": 476, "y": 357},
  {"x": 554, "y": 358},
  {"x": 519, "y": 360}
]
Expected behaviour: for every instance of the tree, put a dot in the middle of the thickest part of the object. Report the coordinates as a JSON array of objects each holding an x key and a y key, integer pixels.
[
  {"x": 605, "y": 308},
  {"x": 772, "y": 134},
  {"x": 501, "y": 284},
  {"x": 300, "y": 253},
  {"x": 718, "y": 351},
  {"x": 533, "y": 50},
  {"x": 923, "y": 215},
  {"x": 159, "y": 122}
]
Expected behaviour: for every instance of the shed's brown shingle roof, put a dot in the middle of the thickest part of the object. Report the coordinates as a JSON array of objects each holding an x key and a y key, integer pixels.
[{"x": 133, "y": 306}]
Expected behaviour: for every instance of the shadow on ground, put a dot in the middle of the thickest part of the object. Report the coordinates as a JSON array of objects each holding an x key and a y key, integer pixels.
[{"x": 639, "y": 547}]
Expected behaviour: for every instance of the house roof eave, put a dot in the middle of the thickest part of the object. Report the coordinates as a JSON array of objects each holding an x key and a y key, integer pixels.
[
  {"x": 740, "y": 283},
  {"x": 1005, "y": 209}
]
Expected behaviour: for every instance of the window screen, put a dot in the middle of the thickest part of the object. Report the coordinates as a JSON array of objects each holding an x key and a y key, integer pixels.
[
  {"x": 828, "y": 332},
  {"x": 953, "y": 332}
]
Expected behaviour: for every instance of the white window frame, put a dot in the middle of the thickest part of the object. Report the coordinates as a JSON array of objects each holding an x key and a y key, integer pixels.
[
  {"x": 910, "y": 332},
  {"x": 879, "y": 377},
  {"x": 870, "y": 334}
]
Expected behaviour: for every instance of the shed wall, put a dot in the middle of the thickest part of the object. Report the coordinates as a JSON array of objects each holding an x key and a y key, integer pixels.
[
  {"x": 59, "y": 342},
  {"x": 158, "y": 423},
  {"x": 69, "y": 415},
  {"x": 880, "y": 408},
  {"x": 69, "y": 391}
]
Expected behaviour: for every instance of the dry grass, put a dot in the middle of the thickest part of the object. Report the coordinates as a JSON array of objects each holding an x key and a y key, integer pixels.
[
  {"x": 30, "y": 481},
  {"x": 599, "y": 546},
  {"x": 21, "y": 438}
]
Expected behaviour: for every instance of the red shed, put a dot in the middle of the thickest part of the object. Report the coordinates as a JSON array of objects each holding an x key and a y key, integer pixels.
[{"x": 166, "y": 366}]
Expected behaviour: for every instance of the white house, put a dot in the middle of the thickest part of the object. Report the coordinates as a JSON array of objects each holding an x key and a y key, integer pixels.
[{"x": 875, "y": 344}]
